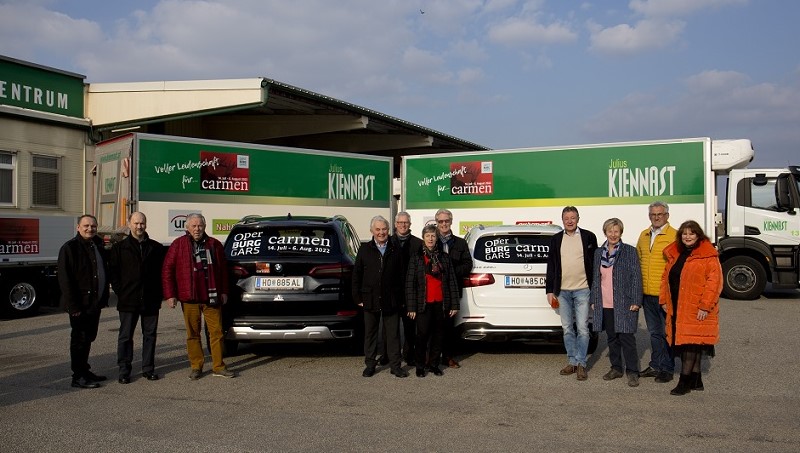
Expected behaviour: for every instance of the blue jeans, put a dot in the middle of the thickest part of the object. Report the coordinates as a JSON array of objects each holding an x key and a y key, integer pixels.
[
  {"x": 660, "y": 353},
  {"x": 573, "y": 306}
]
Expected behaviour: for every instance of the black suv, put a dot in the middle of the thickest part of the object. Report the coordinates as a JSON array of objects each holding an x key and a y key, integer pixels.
[{"x": 291, "y": 280}]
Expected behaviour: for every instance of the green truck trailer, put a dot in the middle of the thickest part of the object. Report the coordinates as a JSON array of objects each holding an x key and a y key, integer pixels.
[{"x": 168, "y": 178}]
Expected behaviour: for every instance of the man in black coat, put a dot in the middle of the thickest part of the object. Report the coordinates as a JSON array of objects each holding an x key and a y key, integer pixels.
[
  {"x": 378, "y": 288},
  {"x": 458, "y": 251},
  {"x": 82, "y": 278},
  {"x": 408, "y": 244},
  {"x": 135, "y": 266}
]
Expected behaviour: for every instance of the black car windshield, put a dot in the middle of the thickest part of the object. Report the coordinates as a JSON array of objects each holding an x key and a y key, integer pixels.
[
  {"x": 513, "y": 248},
  {"x": 281, "y": 241}
]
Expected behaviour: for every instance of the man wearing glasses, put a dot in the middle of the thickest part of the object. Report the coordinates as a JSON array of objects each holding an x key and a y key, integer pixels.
[
  {"x": 458, "y": 251},
  {"x": 407, "y": 243},
  {"x": 651, "y": 255}
]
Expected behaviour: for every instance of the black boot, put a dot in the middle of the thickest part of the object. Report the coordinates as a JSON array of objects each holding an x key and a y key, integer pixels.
[
  {"x": 697, "y": 381},
  {"x": 684, "y": 385}
]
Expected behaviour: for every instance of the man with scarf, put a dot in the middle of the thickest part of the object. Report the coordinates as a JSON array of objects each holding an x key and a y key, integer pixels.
[
  {"x": 408, "y": 244},
  {"x": 195, "y": 272},
  {"x": 82, "y": 278},
  {"x": 456, "y": 248}
]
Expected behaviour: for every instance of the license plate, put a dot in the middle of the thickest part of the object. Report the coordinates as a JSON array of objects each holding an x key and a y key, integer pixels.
[
  {"x": 525, "y": 281},
  {"x": 279, "y": 283}
]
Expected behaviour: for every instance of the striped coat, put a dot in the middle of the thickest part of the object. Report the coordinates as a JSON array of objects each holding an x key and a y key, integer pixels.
[{"x": 626, "y": 280}]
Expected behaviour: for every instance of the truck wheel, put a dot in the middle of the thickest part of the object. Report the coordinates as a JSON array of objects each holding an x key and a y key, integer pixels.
[
  {"x": 743, "y": 278},
  {"x": 21, "y": 299}
]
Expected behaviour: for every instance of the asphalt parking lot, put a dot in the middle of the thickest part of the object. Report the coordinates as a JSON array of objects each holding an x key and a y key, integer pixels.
[{"x": 506, "y": 397}]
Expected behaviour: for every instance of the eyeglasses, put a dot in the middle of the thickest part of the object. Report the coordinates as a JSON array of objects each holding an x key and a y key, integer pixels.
[
  {"x": 445, "y": 221},
  {"x": 403, "y": 223},
  {"x": 660, "y": 214}
]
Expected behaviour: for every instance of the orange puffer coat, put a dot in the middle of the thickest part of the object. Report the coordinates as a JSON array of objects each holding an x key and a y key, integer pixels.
[{"x": 700, "y": 287}]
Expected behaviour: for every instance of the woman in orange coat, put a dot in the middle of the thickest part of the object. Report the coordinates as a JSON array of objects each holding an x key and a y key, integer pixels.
[{"x": 690, "y": 289}]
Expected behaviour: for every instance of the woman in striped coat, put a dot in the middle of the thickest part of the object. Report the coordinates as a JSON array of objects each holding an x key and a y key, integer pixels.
[{"x": 616, "y": 297}]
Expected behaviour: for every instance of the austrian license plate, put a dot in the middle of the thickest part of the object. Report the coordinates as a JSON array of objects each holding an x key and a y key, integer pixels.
[
  {"x": 525, "y": 281},
  {"x": 279, "y": 283}
]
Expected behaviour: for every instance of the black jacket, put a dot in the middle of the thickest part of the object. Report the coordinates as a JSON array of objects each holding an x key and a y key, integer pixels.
[
  {"x": 135, "y": 269},
  {"x": 460, "y": 258},
  {"x": 78, "y": 276},
  {"x": 553, "y": 283},
  {"x": 416, "y": 284},
  {"x": 377, "y": 279},
  {"x": 412, "y": 244}
]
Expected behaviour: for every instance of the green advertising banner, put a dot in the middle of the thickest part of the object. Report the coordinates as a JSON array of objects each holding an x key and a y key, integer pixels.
[
  {"x": 603, "y": 175},
  {"x": 211, "y": 172},
  {"x": 40, "y": 89}
]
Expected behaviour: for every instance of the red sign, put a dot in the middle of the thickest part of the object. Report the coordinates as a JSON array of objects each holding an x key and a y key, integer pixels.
[
  {"x": 471, "y": 178},
  {"x": 224, "y": 172},
  {"x": 19, "y": 236}
]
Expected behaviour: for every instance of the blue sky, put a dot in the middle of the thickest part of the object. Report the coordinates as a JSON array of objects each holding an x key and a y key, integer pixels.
[{"x": 502, "y": 73}]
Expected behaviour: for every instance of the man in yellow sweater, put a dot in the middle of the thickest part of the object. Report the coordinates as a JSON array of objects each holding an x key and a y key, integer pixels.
[{"x": 650, "y": 246}]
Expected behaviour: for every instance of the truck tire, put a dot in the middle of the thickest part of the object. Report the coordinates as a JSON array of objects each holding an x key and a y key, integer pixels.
[
  {"x": 744, "y": 278},
  {"x": 21, "y": 298}
]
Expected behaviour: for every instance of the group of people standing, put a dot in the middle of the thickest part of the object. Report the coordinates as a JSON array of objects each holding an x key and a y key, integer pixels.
[
  {"x": 142, "y": 273},
  {"x": 400, "y": 278},
  {"x": 673, "y": 275}
]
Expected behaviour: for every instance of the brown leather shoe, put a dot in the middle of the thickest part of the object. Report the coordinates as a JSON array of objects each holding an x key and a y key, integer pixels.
[
  {"x": 453, "y": 364},
  {"x": 582, "y": 375},
  {"x": 567, "y": 370}
]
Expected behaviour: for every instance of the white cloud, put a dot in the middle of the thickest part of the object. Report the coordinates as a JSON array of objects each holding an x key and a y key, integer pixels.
[
  {"x": 624, "y": 39},
  {"x": 28, "y": 31},
  {"x": 662, "y": 8},
  {"x": 518, "y": 31},
  {"x": 714, "y": 103},
  {"x": 471, "y": 50}
]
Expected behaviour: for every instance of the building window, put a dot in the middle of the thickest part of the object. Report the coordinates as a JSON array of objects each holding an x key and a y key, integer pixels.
[
  {"x": 45, "y": 181},
  {"x": 7, "y": 167}
]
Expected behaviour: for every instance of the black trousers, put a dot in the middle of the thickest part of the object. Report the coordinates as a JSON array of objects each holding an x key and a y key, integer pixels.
[
  {"x": 409, "y": 339},
  {"x": 84, "y": 332},
  {"x": 391, "y": 326},
  {"x": 127, "y": 327},
  {"x": 430, "y": 330},
  {"x": 620, "y": 345}
]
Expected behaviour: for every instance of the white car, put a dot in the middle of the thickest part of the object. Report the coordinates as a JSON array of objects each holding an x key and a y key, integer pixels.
[{"x": 504, "y": 297}]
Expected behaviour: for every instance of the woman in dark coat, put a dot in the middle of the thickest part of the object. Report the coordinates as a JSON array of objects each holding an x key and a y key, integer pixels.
[
  {"x": 431, "y": 295},
  {"x": 616, "y": 297}
]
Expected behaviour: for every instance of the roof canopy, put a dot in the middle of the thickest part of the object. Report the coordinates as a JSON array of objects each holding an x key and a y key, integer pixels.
[{"x": 261, "y": 111}]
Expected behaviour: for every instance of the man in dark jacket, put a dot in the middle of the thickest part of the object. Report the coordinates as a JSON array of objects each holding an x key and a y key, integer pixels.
[
  {"x": 569, "y": 279},
  {"x": 82, "y": 278},
  {"x": 378, "y": 288},
  {"x": 408, "y": 244},
  {"x": 135, "y": 266},
  {"x": 456, "y": 248}
]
